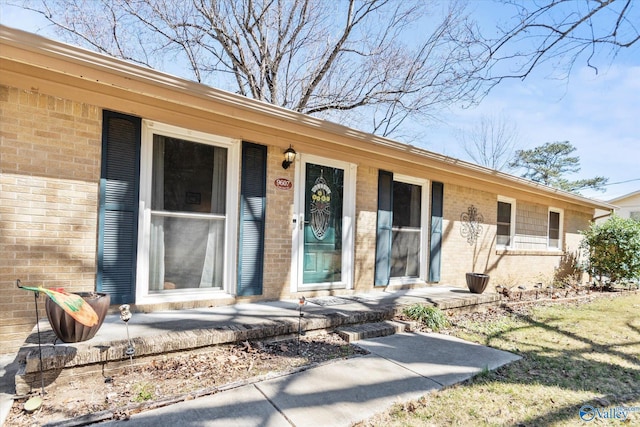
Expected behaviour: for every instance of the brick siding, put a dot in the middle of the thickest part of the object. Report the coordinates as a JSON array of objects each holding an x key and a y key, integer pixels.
[
  {"x": 529, "y": 263},
  {"x": 366, "y": 226},
  {"x": 49, "y": 173},
  {"x": 279, "y": 220}
]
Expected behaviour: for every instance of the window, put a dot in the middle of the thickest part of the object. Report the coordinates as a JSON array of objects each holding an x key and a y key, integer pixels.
[
  {"x": 406, "y": 230},
  {"x": 635, "y": 215},
  {"x": 187, "y": 215},
  {"x": 506, "y": 222},
  {"x": 555, "y": 228},
  {"x": 402, "y": 227},
  {"x": 189, "y": 194}
]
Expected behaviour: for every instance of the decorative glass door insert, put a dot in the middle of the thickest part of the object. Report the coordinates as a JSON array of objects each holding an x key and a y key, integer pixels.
[{"x": 323, "y": 214}]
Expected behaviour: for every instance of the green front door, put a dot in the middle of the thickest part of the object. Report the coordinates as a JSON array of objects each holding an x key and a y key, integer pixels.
[{"x": 323, "y": 206}]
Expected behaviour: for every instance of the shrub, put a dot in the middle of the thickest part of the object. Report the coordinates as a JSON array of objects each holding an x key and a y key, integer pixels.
[
  {"x": 613, "y": 249},
  {"x": 432, "y": 317}
]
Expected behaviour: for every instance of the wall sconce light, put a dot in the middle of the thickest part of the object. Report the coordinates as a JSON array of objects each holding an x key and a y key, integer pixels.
[{"x": 289, "y": 157}]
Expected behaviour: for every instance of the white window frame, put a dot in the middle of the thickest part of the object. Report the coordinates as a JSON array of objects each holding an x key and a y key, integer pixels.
[
  {"x": 348, "y": 224},
  {"x": 149, "y": 128},
  {"x": 560, "y": 230},
  {"x": 512, "y": 228},
  {"x": 424, "y": 230}
]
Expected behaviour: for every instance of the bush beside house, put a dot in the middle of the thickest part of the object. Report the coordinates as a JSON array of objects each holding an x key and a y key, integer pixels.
[{"x": 613, "y": 250}]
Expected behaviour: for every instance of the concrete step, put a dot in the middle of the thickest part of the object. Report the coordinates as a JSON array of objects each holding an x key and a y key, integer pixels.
[{"x": 373, "y": 330}]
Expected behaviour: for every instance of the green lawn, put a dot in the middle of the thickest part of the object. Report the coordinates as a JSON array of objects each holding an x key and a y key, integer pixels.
[{"x": 571, "y": 356}]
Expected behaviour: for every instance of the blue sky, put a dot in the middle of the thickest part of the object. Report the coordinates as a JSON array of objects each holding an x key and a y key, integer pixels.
[{"x": 598, "y": 113}]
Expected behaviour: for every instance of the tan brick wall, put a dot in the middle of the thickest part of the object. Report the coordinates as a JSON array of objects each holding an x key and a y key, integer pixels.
[
  {"x": 49, "y": 173},
  {"x": 279, "y": 216},
  {"x": 366, "y": 225},
  {"x": 524, "y": 268},
  {"x": 458, "y": 256},
  {"x": 574, "y": 223},
  {"x": 524, "y": 265}
]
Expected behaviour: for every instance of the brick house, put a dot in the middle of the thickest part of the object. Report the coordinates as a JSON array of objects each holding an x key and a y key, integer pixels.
[{"x": 170, "y": 194}]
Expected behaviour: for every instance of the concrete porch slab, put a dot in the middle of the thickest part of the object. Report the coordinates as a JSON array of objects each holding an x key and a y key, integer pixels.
[{"x": 183, "y": 330}]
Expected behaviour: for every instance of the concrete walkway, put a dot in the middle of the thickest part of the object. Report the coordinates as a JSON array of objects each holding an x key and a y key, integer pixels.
[
  {"x": 8, "y": 369},
  {"x": 400, "y": 367},
  {"x": 415, "y": 363}
]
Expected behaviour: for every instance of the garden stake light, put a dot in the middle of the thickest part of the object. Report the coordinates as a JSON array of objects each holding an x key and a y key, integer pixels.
[
  {"x": 538, "y": 287},
  {"x": 34, "y": 403},
  {"x": 301, "y": 302},
  {"x": 125, "y": 316}
]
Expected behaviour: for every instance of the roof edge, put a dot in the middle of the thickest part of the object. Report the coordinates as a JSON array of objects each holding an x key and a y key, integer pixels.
[
  {"x": 78, "y": 55},
  {"x": 624, "y": 196}
]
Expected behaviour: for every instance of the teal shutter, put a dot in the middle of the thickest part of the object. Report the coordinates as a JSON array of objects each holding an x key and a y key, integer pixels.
[
  {"x": 253, "y": 190},
  {"x": 118, "y": 213},
  {"x": 437, "y": 197},
  {"x": 384, "y": 232}
]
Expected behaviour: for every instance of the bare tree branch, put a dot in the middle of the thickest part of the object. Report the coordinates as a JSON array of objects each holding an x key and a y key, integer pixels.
[
  {"x": 562, "y": 31},
  {"x": 492, "y": 142},
  {"x": 340, "y": 60}
]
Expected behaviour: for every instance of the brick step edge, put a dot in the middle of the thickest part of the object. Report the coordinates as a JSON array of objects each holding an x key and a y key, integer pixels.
[{"x": 373, "y": 330}]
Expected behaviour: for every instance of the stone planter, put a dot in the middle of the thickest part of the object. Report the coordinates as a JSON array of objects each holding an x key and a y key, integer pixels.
[
  {"x": 67, "y": 328},
  {"x": 477, "y": 282}
]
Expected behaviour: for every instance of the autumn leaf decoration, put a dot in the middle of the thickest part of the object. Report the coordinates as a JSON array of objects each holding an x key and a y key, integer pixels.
[{"x": 73, "y": 304}]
